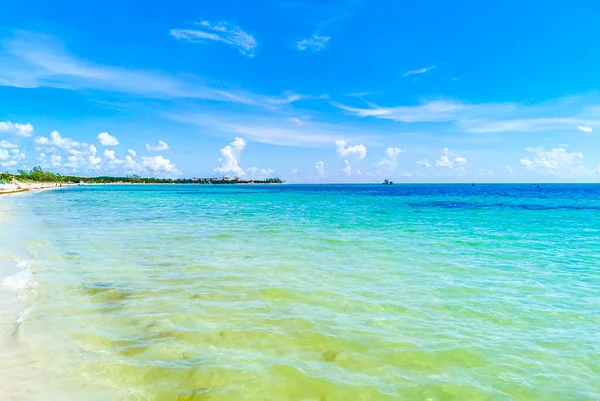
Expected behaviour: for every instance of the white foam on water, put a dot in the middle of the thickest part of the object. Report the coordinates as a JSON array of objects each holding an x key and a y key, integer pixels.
[
  {"x": 24, "y": 264},
  {"x": 19, "y": 281}
]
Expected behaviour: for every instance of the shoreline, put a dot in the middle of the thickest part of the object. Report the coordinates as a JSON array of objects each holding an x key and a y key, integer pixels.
[{"x": 14, "y": 189}]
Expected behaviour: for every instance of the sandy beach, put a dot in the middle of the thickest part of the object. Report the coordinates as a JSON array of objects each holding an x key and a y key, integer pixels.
[{"x": 19, "y": 187}]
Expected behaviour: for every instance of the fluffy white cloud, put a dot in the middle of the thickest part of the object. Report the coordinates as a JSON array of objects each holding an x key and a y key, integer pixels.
[
  {"x": 229, "y": 160},
  {"x": 448, "y": 159},
  {"x": 320, "y": 166},
  {"x": 158, "y": 164},
  {"x": 158, "y": 148},
  {"x": 390, "y": 161},
  {"x": 584, "y": 128},
  {"x": 56, "y": 141},
  {"x": 557, "y": 162},
  {"x": 55, "y": 161},
  {"x": 315, "y": 43},
  {"x": 357, "y": 151},
  {"x": 94, "y": 161},
  {"x": 424, "y": 163},
  {"x": 11, "y": 157},
  {"x": 109, "y": 154},
  {"x": 132, "y": 152},
  {"x": 218, "y": 32},
  {"x": 107, "y": 139},
  {"x": 7, "y": 145},
  {"x": 347, "y": 169},
  {"x": 16, "y": 128}
]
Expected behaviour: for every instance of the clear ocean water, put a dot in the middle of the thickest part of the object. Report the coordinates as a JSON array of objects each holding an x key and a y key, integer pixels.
[{"x": 290, "y": 292}]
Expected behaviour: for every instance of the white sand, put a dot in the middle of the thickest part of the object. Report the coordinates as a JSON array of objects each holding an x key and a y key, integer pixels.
[{"x": 18, "y": 187}]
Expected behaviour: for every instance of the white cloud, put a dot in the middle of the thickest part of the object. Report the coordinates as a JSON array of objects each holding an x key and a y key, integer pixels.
[
  {"x": 132, "y": 152},
  {"x": 255, "y": 173},
  {"x": 229, "y": 160},
  {"x": 419, "y": 71},
  {"x": 107, "y": 139},
  {"x": 296, "y": 121},
  {"x": 56, "y": 160},
  {"x": 390, "y": 161},
  {"x": 315, "y": 42},
  {"x": 94, "y": 161},
  {"x": 158, "y": 164},
  {"x": 435, "y": 111},
  {"x": 555, "y": 115},
  {"x": 56, "y": 141},
  {"x": 583, "y": 128},
  {"x": 509, "y": 169},
  {"x": 527, "y": 163},
  {"x": 424, "y": 163},
  {"x": 219, "y": 32},
  {"x": 320, "y": 167},
  {"x": 109, "y": 154},
  {"x": 347, "y": 169},
  {"x": 448, "y": 159},
  {"x": 7, "y": 145},
  {"x": 16, "y": 128},
  {"x": 158, "y": 148},
  {"x": 11, "y": 157},
  {"x": 33, "y": 60},
  {"x": 273, "y": 129},
  {"x": 357, "y": 151},
  {"x": 557, "y": 162}
]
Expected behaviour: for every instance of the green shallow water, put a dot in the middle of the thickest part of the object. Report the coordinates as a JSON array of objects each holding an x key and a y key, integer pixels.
[{"x": 315, "y": 292}]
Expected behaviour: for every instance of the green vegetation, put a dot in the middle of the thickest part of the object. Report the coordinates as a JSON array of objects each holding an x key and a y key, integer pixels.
[{"x": 37, "y": 174}]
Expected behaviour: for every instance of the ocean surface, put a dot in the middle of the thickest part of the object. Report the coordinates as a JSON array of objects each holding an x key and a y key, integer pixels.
[{"x": 290, "y": 292}]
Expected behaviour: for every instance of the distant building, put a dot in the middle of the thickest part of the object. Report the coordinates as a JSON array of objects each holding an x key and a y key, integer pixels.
[{"x": 204, "y": 179}]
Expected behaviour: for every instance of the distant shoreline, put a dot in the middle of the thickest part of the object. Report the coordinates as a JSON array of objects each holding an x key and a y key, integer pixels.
[{"x": 14, "y": 189}]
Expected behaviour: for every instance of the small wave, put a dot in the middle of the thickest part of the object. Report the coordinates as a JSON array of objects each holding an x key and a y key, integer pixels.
[
  {"x": 18, "y": 281},
  {"x": 24, "y": 264}
]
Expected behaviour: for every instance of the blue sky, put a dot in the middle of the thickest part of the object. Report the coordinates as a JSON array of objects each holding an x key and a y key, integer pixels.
[{"x": 310, "y": 91}]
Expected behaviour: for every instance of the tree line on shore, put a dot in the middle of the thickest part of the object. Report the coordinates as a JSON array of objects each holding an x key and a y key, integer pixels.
[{"x": 37, "y": 174}]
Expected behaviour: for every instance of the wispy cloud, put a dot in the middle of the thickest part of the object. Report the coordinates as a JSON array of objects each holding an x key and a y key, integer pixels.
[
  {"x": 272, "y": 129},
  {"x": 320, "y": 167},
  {"x": 439, "y": 110},
  {"x": 390, "y": 161},
  {"x": 560, "y": 114},
  {"x": 419, "y": 71},
  {"x": 315, "y": 43},
  {"x": 218, "y": 32},
  {"x": 34, "y": 60}
]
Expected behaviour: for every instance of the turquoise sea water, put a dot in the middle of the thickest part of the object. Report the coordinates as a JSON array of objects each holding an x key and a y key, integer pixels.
[{"x": 295, "y": 292}]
